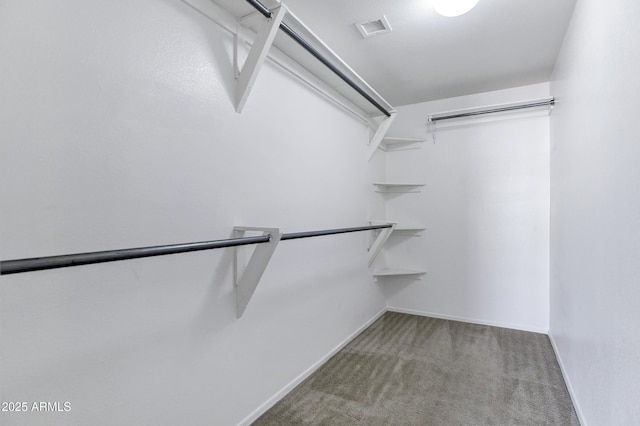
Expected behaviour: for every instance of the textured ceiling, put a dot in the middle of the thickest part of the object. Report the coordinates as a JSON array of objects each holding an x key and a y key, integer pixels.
[{"x": 499, "y": 44}]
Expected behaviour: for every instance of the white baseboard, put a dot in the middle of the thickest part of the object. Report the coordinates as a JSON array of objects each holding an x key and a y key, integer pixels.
[
  {"x": 469, "y": 320},
  {"x": 295, "y": 382},
  {"x": 572, "y": 394}
]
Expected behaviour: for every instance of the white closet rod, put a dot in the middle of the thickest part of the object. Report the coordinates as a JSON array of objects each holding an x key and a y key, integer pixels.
[{"x": 450, "y": 115}]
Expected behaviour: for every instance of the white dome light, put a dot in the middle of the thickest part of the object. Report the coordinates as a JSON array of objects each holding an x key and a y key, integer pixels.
[{"x": 452, "y": 8}]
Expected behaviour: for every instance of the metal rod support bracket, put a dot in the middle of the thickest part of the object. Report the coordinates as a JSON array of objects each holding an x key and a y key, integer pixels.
[
  {"x": 379, "y": 134},
  {"x": 380, "y": 239},
  {"x": 247, "y": 275},
  {"x": 257, "y": 55}
]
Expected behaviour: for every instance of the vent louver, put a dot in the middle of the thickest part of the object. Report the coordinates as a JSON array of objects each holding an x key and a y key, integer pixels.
[{"x": 374, "y": 27}]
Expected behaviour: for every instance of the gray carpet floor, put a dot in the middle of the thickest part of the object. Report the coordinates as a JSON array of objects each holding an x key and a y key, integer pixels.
[{"x": 413, "y": 370}]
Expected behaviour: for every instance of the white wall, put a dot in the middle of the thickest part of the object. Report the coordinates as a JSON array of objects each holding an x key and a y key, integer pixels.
[
  {"x": 486, "y": 209},
  {"x": 118, "y": 130},
  {"x": 595, "y": 211}
]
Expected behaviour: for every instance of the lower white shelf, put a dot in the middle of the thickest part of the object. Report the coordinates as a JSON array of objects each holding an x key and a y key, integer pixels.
[
  {"x": 398, "y": 186},
  {"x": 410, "y": 228},
  {"x": 396, "y": 272}
]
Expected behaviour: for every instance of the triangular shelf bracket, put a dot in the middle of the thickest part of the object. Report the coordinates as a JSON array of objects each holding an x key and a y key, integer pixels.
[
  {"x": 380, "y": 133},
  {"x": 257, "y": 55},
  {"x": 247, "y": 276},
  {"x": 381, "y": 238}
]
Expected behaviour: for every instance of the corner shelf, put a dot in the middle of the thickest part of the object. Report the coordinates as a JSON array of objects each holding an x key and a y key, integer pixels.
[
  {"x": 402, "y": 228},
  {"x": 397, "y": 187},
  {"x": 399, "y": 144},
  {"x": 410, "y": 227},
  {"x": 390, "y": 144},
  {"x": 398, "y": 272}
]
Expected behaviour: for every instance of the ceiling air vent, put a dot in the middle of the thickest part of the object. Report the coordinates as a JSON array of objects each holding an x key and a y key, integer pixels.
[{"x": 374, "y": 27}]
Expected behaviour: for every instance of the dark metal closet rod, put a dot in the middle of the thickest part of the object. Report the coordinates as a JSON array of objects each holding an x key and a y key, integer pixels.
[
  {"x": 549, "y": 102},
  {"x": 302, "y": 42},
  {"x": 62, "y": 261},
  {"x": 297, "y": 235}
]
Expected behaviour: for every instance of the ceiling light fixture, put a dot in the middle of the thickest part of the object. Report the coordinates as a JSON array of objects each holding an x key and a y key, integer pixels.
[{"x": 451, "y": 8}]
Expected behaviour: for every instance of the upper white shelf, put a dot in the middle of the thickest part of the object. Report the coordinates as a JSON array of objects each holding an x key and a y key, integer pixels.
[
  {"x": 229, "y": 12},
  {"x": 399, "y": 144}
]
